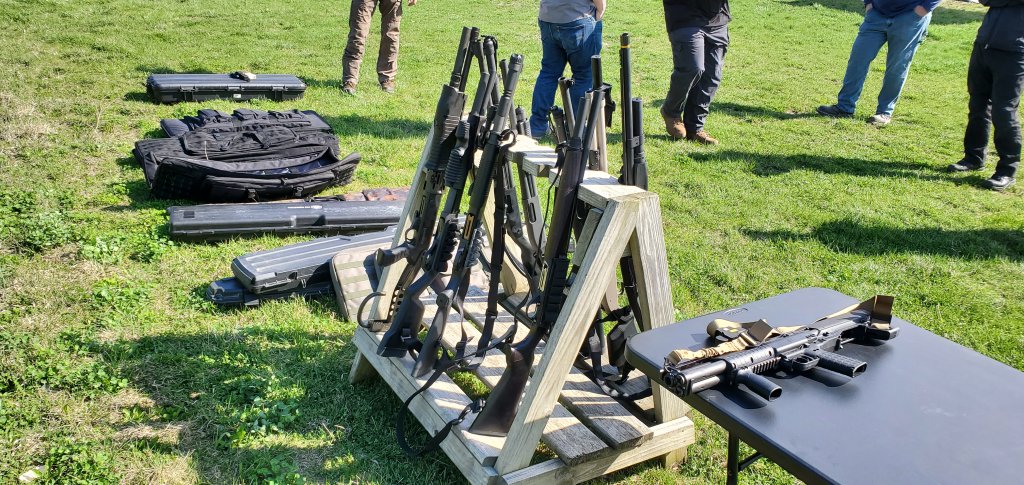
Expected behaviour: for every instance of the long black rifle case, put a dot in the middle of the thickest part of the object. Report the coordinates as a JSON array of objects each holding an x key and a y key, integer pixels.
[
  {"x": 212, "y": 222},
  {"x": 299, "y": 265},
  {"x": 231, "y": 292},
  {"x": 174, "y": 88}
]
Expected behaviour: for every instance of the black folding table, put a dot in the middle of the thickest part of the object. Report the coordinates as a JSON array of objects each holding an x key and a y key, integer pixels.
[{"x": 926, "y": 411}]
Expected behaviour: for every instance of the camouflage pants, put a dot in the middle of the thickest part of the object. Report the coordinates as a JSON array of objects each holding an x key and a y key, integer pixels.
[{"x": 359, "y": 18}]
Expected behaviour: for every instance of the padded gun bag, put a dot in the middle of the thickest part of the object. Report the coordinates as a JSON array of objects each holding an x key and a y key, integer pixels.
[
  {"x": 212, "y": 222},
  {"x": 298, "y": 265},
  {"x": 237, "y": 166},
  {"x": 214, "y": 121},
  {"x": 174, "y": 88}
]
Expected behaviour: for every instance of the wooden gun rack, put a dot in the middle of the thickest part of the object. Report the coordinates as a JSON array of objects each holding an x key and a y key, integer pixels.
[{"x": 591, "y": 433}]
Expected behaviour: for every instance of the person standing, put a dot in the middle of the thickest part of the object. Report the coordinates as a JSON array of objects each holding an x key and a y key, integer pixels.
[
  {"x": 359, "y": 17},
  {"x": 995, "y": 78},
  {"x": 570, "y": 33},
  {"x": 699, "y": 33},
  {"x": 902, "y": 24}
]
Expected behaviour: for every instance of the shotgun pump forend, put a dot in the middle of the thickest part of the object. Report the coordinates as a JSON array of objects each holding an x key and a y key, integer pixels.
[{"x": 796, "y": 352}]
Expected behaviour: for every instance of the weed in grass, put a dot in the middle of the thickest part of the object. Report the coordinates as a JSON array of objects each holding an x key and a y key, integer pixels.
[{"x": 69, "y": 461}]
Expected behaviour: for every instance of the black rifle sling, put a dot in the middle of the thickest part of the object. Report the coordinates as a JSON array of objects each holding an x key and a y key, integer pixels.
[{"x": 448, "y": 363}]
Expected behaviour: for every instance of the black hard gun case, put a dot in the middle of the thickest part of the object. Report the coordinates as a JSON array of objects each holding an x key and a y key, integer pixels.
[
  {"x": 298, "y": 265},
  {"x": 174, "y": 88},
  {"x": 211, "y": 222}
]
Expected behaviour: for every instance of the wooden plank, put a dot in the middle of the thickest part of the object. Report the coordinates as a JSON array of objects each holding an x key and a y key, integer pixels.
[
  {"x": 390, "y": 274},
  {"x": 567, "y": 335},
  {"x": 510, "y": 278},
  {"x": 569, "y": 438},
  {"x": 669, "y": 436},
  {"x": 471, "y": 453},
  {"x": 361, "y": 370},
  {"x": 605, "y": 416},
  {"x": 656, "y": 300}
]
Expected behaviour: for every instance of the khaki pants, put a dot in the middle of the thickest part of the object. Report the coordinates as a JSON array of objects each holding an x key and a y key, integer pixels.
[{"x": 359, "y": 19}]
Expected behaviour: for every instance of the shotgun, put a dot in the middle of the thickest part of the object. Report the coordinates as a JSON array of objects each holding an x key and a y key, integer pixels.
[
  {"x": 469, "y": 241},
  {"x": 402, "y": 335},
  {"x": 500, "y": 410},
  {"x": 417, "y": 238}
]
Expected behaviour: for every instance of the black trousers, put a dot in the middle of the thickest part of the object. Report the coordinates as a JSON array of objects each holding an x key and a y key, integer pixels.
[
  {"x": 994, "y": 81},
  {"x": 698, "y": 54}
]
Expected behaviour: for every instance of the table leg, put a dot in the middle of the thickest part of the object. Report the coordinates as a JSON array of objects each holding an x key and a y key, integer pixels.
[{"x": 732, "y": 473}]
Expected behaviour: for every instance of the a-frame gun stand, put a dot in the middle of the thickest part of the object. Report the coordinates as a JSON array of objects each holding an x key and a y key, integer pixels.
[{"x": 591, "y": 433}]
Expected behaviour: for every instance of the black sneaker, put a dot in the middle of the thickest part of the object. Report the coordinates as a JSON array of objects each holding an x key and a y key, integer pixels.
[
  {"x": 965, "y": 166},
  {"x": 999, "y": 183},
  {"x": 833, "y": 111}
]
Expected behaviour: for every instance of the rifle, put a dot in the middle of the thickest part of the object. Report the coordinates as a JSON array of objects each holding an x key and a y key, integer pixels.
[
  {"x": 469, "y": 242},
  {"x": 417, "y": 238},
  {"x": 796, "y": 351},
  {"x": 498, "y": 414},
  {"x": 408, "y": 319},
  {"x": 634, "y": 172},
  {"x": 564, "y": 86}
]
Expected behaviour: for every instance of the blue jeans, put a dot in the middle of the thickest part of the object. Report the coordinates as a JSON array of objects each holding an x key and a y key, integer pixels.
[
  {"x": 572, "y": 43},
  {"x": 903, "y": 33}
]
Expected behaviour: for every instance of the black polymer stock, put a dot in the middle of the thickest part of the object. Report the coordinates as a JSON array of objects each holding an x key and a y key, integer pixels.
[
  {"x": 500, "y": 410},
  {"x": 493, "y": 156},
  {"x": 402, "y": 335},
  {"x": 417, "y": 238},
  {"x": 794, "y": 352}
]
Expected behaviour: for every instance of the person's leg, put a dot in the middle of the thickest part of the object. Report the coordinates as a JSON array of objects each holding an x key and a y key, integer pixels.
[
  {"x": 979, "y": 109},
  {"x": 1007, "y": 83},
  {"x": 552, "y": 63},
  {"x": 581, "y": 42},
  {"x": 387, "y": 56},
  {"x": 698, "y": 103},
  {"x": 687, "y": 67},
  {"x": 905, "y": 35},
  {"x": 869, "y": 40},
  {"x": 359, "y": 16}
]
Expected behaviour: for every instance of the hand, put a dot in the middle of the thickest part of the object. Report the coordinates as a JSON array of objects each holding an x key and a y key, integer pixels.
[
  {"x": 868, "y": 7},
  {"x": 412, "y": 2},
  {"x": 600, "y": 15},
  {"x": 920, "y": 11}
]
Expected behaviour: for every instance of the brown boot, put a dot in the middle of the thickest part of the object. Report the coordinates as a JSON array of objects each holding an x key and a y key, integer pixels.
[
  {"x": 674, "y": 126},
  {"x": 702, "y": 137}
]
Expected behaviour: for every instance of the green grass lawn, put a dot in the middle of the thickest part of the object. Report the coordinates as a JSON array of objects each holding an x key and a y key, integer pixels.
[{"x": 114, "y": 368}]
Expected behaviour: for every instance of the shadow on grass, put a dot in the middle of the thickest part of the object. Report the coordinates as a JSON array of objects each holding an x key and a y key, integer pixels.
[
  {"x": 744, "y": 110},
  {"x": 265, "y": 403},
  {"x": 941, "y": 15},
  {"x": 855, "y": 237},
  {"x": 766, "y": 165},
  {"x": 393, "y": 128}
]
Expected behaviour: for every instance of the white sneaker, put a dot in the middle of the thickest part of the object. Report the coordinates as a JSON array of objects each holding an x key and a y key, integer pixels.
[{"x": 880, "y": 119}]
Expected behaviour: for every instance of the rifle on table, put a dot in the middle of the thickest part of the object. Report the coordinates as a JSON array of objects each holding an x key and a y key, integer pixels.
[
  {"x": 499, "y": 412},
  {"x": 796, "y": 350},
  {"x": 402, "y": 335},
  {"x": 469, "y": 241},
  {"x": 417, "y": 238}
]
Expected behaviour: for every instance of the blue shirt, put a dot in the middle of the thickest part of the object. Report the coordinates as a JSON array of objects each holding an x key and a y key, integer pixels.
[{"x": 892, "y": 8}]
